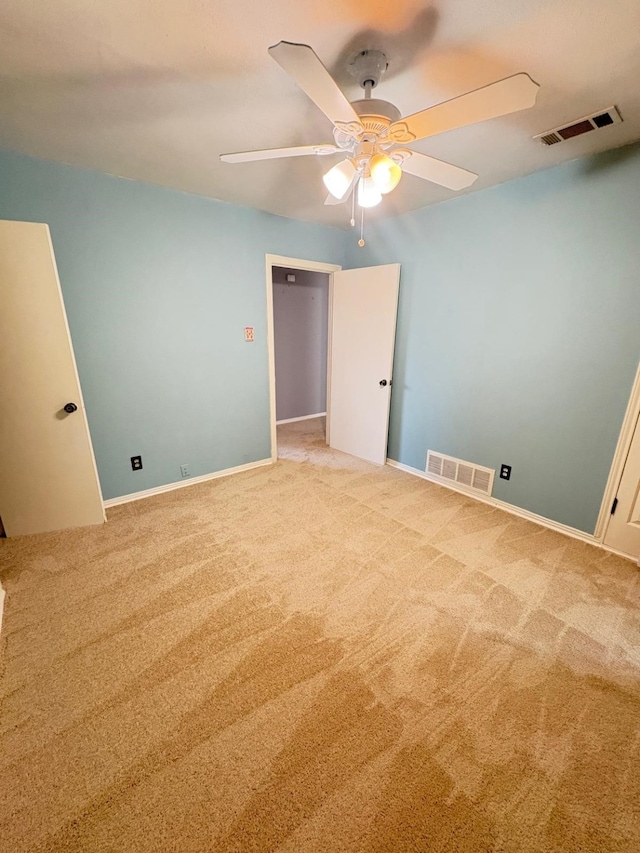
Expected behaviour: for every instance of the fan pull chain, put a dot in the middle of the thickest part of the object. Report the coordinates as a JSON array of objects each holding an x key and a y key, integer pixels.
[
  {"x": 353, "y": 208},
  {"x": 361, "y": 240}
]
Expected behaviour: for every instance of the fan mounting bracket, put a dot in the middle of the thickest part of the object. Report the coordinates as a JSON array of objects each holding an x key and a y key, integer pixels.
[{"x": 367, "y": 67}]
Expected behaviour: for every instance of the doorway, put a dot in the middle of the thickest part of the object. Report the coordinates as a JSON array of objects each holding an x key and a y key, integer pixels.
[
  {"x": 300, "y": 329},
  {"x": 362, "y": 307},
  {"x": 298, "y": 299}
]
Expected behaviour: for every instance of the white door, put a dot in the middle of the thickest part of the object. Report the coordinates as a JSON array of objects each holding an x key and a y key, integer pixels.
[
  {"x": 363, "y": 333},
  {"x": 623, "y": 531},
  {"x": 49, "y": 479}
]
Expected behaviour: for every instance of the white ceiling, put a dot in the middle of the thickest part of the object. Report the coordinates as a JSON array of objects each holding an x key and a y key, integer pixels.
[{"x": 156, "y": 89}]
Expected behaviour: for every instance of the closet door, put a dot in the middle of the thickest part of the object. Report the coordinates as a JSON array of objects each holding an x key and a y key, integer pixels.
[
  {"x": 49, "y": 479},
  {"x": 623, "y": 531}
]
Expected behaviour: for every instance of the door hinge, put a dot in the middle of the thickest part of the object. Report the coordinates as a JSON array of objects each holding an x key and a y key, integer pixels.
[{"x": 614, "y": 505}]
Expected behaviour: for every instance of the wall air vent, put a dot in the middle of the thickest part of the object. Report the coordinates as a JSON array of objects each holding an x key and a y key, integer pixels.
[
  {"x": 603, "y": 118},
  {"x": 448, "y": 469}
]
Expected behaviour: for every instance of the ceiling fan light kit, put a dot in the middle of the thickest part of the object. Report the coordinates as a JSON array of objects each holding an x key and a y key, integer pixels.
[
  {"x": 340, "y": 178},
  {"x": 369, "y": 131},
  {"x": 368, "y": 193},
  {"x": 386, "y": 173}
]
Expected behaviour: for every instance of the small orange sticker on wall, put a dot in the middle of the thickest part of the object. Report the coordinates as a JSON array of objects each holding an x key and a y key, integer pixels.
[{"x": 248, "y": 333}]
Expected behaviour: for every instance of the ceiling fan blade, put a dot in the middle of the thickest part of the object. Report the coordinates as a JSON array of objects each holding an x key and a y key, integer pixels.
[
  {"x": 303, "y": 64},
  {"x": 497, "y": 99},
  {"x": 438, "y": 172},
  {"x": 331, "y": 199},
  {"x": 273, "y": 153}
]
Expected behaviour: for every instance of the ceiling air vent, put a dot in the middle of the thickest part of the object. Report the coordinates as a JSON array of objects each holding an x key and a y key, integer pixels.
[
  {"x": 465, "y": 474},
  {"x": 580, "y": 126}
]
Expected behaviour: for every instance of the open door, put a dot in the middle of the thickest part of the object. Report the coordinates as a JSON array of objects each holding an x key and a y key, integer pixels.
[
  {"x": 49, "y": 479},
  {"x": 363, "y": 333},
  {"x": 623, "y": 530}
]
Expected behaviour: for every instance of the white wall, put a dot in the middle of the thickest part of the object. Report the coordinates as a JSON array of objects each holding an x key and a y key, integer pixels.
[{"x": 300, "y": 316}]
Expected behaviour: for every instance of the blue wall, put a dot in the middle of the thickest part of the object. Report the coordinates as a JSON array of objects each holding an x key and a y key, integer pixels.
[
  {"x": 519, "y": 329},
  {"x": 158, "y": 286}
]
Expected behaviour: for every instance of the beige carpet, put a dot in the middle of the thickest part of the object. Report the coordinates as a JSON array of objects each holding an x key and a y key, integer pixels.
[{"x": 318, "y": 656}]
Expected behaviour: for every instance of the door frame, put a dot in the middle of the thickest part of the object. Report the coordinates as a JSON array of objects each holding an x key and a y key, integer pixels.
[
  {"x": 619, "y": 459},
  {"x": 297, "y": 264}
]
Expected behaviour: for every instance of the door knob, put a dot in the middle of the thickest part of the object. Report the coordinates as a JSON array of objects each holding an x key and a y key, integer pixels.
[
  {"x": 383, "y": 382},
  {"x": 71, "y": 407}
]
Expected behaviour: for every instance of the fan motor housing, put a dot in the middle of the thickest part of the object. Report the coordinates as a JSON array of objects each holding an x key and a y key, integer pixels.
[
  {"x": 375, "y": 107},
  {"x": 375, "y": 117}
]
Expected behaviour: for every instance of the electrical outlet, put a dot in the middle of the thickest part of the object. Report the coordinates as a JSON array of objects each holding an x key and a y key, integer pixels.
[
  {"x": 185, "y": 470},
  {"x": 248, "y": 334},
  {"x": 505, "y": 472},
  {"x": 136, "y": 463}
]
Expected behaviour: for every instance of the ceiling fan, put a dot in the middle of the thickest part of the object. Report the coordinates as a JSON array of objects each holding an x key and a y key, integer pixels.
[{"x": 371, "y": 132}]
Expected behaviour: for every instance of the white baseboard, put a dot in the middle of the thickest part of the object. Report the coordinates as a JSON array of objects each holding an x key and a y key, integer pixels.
[
  {"x": 513, "y": 510},
  {"x": 189, "y": 481},
  {"x": 303, "y": 418}
]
